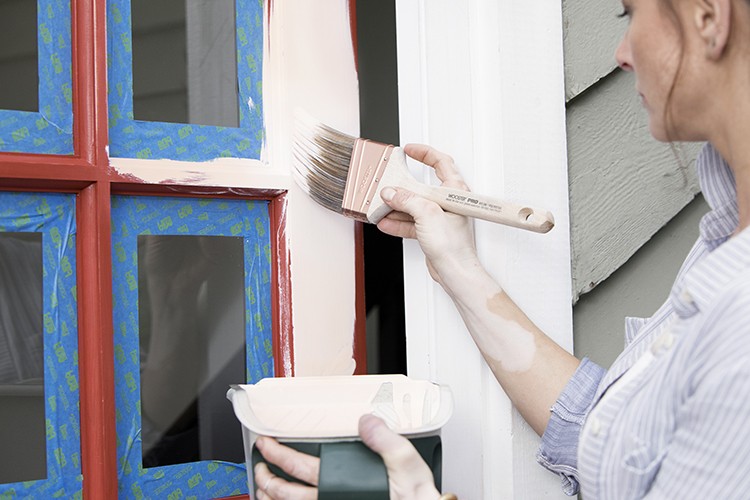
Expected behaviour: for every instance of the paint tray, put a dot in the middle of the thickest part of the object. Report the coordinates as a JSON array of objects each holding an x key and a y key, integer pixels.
[{"x": 319, "y": 416}]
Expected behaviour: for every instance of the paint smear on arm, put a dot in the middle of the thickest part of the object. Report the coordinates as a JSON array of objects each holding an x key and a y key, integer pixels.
[{"x": 515, "y": 347}]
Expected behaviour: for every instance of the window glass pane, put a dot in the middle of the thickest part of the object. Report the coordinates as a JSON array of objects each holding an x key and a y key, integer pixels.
[
  {"x": 192, "y": 315},
  {"x": 185, "y": 62},
  {"x": 192, "y": 346},
  {"x": 19, "y": 76},
  {"x": 40, "y": 425},
  {"x": 36, "y": 88},
  {"x": 185, "y": 78},
  {"x": 22, "y": 418}
]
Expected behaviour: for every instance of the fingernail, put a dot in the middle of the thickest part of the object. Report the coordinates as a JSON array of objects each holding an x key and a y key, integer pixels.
[
  {"x": 388, "y": 193},
  {"x": 260, "y": 443}
]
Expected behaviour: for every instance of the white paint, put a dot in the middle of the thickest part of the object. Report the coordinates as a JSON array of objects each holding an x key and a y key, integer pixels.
[
  {"x": 492, "y": 95},
  {"x": 514, "y": 349},
  {"x": 309, "y": 63}
]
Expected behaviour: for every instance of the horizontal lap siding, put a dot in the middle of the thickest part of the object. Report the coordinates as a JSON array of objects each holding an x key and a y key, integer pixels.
[{"x": 624, "y": 185}]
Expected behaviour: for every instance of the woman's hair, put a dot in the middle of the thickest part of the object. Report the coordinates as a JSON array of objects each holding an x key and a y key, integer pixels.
[{"x": 667, "y": 7}]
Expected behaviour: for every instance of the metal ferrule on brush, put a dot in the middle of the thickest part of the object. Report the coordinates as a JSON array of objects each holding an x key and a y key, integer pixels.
[{"x": 369, "y": 160}]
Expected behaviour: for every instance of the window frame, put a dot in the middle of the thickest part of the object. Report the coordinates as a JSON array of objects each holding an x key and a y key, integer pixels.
[{"x": 89, "y": 175}]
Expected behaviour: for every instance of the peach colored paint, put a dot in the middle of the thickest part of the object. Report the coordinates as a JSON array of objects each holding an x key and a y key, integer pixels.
[
  {"x": 330, "y": 407},
  {"x": 515, "y": 348}
]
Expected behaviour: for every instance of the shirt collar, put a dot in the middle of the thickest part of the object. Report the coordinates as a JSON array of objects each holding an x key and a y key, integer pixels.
[
  {"x": 720, "y": 191},
  {"x": 712, "y": 275},
  {"x": 727, "y": 256}
]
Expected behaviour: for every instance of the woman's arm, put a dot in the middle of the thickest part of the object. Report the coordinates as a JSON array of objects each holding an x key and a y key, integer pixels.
[{"x": 531, "y": 368}]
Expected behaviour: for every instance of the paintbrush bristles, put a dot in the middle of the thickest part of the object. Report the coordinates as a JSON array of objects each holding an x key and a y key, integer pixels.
[
  {"x": 345, "y": 174},
  {"x": 321, "y": 161}
]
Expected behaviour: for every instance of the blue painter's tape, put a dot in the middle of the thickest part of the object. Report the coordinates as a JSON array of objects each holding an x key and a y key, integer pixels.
[
  {"x": 53, "y": 215},
  {"x": 132, "y": 138},
  {"x": 50, "y": 130},
  {"x": 133, "y": 216}
]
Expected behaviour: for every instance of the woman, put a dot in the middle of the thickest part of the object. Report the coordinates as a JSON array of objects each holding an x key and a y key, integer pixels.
[{"x": 670, "y": 417}]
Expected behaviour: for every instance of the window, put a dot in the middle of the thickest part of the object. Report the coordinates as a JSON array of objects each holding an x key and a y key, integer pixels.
[
  {"x": 36, "y": 113},
  {"x": 56, "y": 209},
  {"x": 176, "y": 70},
  {"x": 71, "y": 173},
  {"x": 39, "y": 382},
  {"x": 192, "y": 315}
]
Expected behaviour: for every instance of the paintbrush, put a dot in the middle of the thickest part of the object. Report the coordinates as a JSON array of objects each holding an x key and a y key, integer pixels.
[{"x": 345, "y": 174}]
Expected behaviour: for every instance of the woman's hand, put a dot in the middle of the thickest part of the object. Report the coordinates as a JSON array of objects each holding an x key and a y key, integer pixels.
[
  {"x": 446, "y": 239},
  {"x": 300, "y": 465},
  {"x": 409, "y": 477}
]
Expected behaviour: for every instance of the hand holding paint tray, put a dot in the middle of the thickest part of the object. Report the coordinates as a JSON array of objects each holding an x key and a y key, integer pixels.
[
  {"x": 319, "y": 416},
  {"x": 346, "y": 174}
]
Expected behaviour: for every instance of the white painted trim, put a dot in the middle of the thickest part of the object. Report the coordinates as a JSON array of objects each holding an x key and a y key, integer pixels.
[{"x": 483, "y": 81}]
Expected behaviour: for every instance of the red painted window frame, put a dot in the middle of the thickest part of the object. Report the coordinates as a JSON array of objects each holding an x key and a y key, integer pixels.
[{"x": 88, "y": 176}]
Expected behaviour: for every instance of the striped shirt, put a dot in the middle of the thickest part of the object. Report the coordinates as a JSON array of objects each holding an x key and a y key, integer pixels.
[{"x": 670, "y": 418}]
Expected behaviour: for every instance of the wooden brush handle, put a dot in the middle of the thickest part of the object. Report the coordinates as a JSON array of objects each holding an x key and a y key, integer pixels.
[
  {"x": 457, "y": 201},
  {"x": 462, "y": 202}
]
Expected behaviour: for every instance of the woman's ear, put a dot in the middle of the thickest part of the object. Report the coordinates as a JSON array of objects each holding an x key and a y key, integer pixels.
[{"x": 713, "y": 23}]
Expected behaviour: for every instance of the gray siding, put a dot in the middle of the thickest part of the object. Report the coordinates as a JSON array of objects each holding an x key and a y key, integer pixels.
[
  {"x": 624, "y": 185},
  {"x": 633, "y": 206},
  {"x": 591, "y": 32}
]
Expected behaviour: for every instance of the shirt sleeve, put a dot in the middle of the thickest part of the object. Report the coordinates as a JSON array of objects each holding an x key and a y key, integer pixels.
[{"x": 559, "y": 447}]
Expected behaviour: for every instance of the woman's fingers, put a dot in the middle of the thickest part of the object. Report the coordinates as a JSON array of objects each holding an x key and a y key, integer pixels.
[
  {"x": 408, "y": 203},
  {"x": 444, "y": 166},
  {"x": 409, "y": 207},
  {"x": 300, "y": 465},
  {"x": 409, "y": 476},
  {"x": 296, "y": 464},
  {"x": 397, "y": 452},
  {"x": 396, "y": 226},
  {"x": 400, "y": 216},
  {"x": 445, "y": 238},
  {"x": 269, "y": 486}
]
